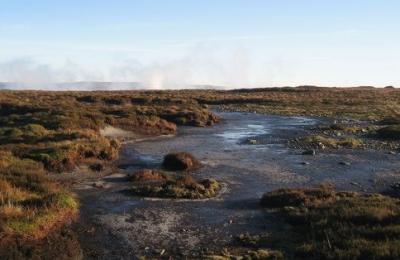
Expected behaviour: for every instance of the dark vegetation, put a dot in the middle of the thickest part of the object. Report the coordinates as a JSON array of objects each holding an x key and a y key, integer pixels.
[
  {"x": 360, "y": 103},
  {"x": 178, "y": 185},
  {"x": 30, "y": 204},
  {"x": 155, "y": 183},
  {"x": 329, "y": 224},
  {"x": 180, "y": 161}
]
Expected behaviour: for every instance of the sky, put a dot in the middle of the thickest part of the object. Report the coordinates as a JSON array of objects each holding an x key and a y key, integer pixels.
[{"x": 174, "y": 44}]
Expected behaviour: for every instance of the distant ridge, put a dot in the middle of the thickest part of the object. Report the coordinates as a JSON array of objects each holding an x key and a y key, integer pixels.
[{"x": 81, "y": 85}]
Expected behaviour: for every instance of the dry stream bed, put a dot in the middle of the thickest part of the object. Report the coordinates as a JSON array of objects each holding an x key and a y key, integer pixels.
[{"x": 114, "y": 224}]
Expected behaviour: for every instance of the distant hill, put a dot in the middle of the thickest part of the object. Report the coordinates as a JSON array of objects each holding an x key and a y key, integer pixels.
[{"x": 82, "y": 85}]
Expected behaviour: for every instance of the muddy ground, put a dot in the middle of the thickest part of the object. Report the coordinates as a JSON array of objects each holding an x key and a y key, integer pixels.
[{"x": 116, "y": 225}]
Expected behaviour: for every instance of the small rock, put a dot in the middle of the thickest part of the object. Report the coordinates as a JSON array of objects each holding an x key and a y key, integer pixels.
[
  {"x": 309, "y": 152},
  {"x": 345, "y": 163},
  {"x": 98, "y": 184},
  {"x": 395, "y": 186},
  {"x": 252, "y": 141},
  {"x": 97, "y": 167},
  {"x": 355, "y": 184}
]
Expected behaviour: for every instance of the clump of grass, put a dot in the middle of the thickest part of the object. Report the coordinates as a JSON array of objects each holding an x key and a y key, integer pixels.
[
  {"x": 30, "y": 204},
  {"x": 350, "y": 129},
  {"x": 322, "y": 141},
  {"x": 146, "y": 175},
  {"x": 151, "y": 183},
  {"x": 258, "y": 254},
  {"x": 328, "y": 224},
  {"x": 180, "y": 161}
]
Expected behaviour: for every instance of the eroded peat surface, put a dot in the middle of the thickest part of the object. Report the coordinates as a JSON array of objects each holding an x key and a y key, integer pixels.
[{"x": 248, "y": 154}]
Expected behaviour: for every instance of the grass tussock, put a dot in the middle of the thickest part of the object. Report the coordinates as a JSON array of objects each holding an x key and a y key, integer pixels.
[
  {"x": 257, "y": 254},
  {"x": 154, "y": 183},
  {"x": 180, "y": 161},
  {"x": 327, "y": 224},
  {"x": 318, "y": 141},
  {"x": 30, "y": 204}
]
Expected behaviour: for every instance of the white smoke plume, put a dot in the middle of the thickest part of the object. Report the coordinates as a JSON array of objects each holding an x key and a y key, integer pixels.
[{"x": 203, "y": 66}]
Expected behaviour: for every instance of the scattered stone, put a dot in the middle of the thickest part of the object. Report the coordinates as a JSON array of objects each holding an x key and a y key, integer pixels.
[
  {"x": 309, "y": 152},
  {"x": 98, "y": 184},
  {"x": 97, "y": 167},
  {"x": 345, "y": 163},
  {"x": 396, "y": 186},
  {"x": 252, "y": 141},
  {"x": 355, "y": 184}
]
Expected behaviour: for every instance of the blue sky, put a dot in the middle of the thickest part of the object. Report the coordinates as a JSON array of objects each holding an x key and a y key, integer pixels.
[{"x": 177, "y": 43}]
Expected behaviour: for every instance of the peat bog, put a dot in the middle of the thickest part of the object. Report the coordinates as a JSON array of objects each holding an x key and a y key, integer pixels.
[{"x": 231, "y": 169}]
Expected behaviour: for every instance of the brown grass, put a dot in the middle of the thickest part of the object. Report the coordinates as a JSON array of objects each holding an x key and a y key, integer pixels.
[{"x": 328, "y": 224}]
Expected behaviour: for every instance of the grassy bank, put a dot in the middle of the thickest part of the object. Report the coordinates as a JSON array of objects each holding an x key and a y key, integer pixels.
[
  {"x": 321, "y": 223},
  {"x": 30, "y": 204},
  {"x": 43, "y": 133}
]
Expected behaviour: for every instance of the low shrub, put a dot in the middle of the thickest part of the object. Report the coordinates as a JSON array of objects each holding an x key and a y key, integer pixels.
[
  {"x": 318, "y": 141},
  {"x": 152, "y": 183},
  {"x": 329, "y": 224},
  {"x": 30, "y": 204},
  {"x": 180, "y": 161},
  {"x": 148, "y": 175}
]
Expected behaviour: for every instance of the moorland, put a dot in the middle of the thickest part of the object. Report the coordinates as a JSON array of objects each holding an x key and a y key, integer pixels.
[{"x": 44, "y": 134}]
